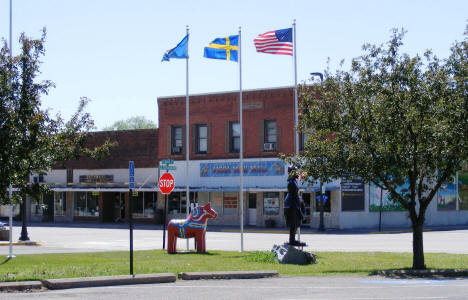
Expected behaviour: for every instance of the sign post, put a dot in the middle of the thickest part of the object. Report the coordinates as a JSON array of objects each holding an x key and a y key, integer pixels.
[
  {"x": 131, "y": 185},
  {"x": 10, "y": 252},
  {"x": 166, "y": 184},
  {"x": 322, "y": 191}
]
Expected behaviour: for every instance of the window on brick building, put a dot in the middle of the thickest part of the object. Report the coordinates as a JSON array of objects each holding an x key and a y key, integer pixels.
[
  {"x": 230, "y": 201},
  {"x": 178, "y": 202},
  {"x": 86, "y": 204},
  {"x": 234, "y": 133},
  {"x": 144, "y": 205},
  {"x": 270, "y": 135},
  {"x": 302, "y": 140},
  {"x": 177, "y": 141},
  {"x": 271, "y": 203},
  {"x": 202, "y": 138}
]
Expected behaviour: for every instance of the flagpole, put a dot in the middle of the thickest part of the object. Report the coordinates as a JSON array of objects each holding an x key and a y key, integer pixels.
[
  {"x": 296, "y": 142},
  {"x": 10, "y": 251},
  {"x": 241, "y": 150},
  {"x": 296, "y": 110},
  {"x": 187, "y": 131}
]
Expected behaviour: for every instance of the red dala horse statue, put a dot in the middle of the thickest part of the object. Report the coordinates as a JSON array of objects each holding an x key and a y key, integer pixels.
[{"x": 194, "y": 226}]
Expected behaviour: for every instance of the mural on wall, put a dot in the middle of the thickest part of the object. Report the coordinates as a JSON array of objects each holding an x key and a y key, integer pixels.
[
  {"x": 446, "y": 197},
  {"x": 256, "y": 168},
  {"x": 387, "y": 204},
  {"x": 463, "y": 188}
]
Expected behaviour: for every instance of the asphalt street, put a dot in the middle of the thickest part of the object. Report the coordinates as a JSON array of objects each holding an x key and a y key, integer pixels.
[
  {"x": 323, "y": 288},
  {"x": 57, "y": 239}
]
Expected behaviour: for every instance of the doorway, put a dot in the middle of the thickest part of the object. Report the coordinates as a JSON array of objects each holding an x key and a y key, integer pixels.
[
  {"x": 48, "y": 212},
  {"x": 108, "y": 213},
  {"x": 252, "y": 210}
]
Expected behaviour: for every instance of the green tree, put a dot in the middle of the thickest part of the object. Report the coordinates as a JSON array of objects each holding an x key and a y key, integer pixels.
[
  {"x": 138, "y": 122},
  {"x": 31, "y": 140},
  {"x": 391, "y": 118}
]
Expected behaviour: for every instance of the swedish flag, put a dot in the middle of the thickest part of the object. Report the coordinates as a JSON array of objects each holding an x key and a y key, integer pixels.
[{"x": 223, "y": 48}]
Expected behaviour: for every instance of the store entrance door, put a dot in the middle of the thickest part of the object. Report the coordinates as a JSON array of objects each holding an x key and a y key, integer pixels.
[
  {"x": 48, "y": 212},
  {"x": 108, "y": 207},
  {"x": 252, "y": 210}
]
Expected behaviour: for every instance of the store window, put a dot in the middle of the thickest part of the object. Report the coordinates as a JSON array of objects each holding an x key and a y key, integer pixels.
[
  {"x": 216, "y": 199},
  {"x": 37, "y": 209},
  {"x": 271, "y": 203},
  {"x": 270, "y": 136},
  {"x": 177, "y": 141},
  {"x": 144, "y": 205},
  {"x": 307, "y": 203},
  {"x": 177, "y": 202},
  {"x": 303, "y": 139},
  {"x": 45, "y": 207},
  {"x": 86, "y": 204},
  {"x": 60, "y": 203},
  {"x": 203, "y": 198},
  {"x": 230, "y": 203},
  {"x": 234, "y": 133},
  {"x": 326, "y": 201},
  {"x": 202, "y": 138}
]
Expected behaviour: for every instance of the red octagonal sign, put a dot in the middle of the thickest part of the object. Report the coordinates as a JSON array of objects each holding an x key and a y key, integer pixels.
[{"x": 166, "y": 183}]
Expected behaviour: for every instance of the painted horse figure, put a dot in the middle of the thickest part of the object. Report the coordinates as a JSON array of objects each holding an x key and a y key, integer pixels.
[{"x": 194, "y": 226}]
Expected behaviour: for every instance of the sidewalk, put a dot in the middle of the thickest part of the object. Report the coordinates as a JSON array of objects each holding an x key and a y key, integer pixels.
[{"x": 306, "y": 229}]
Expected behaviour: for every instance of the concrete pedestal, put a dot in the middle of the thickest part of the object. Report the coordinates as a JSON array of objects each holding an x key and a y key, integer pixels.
[{"x": 4, "y": 235}]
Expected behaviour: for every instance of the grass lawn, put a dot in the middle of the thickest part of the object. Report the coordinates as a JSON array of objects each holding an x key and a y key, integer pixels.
[{"x": 47, "y": 266}]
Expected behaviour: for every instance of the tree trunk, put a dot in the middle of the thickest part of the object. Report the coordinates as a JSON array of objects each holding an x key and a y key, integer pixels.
[{"x": 418, "y": 250}]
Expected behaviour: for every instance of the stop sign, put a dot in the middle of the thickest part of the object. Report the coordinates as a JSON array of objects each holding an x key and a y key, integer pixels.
[{"x": 166, "y": 183}]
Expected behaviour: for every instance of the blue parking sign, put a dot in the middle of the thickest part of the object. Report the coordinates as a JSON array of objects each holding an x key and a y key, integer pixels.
[{"x": 131, "y": 174}]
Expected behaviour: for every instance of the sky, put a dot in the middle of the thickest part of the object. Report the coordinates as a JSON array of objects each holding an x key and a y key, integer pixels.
[{"x": 110, "y": 51}]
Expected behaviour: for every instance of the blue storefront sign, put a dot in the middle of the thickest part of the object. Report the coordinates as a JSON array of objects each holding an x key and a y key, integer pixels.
[{"x": 256, "y": 168}]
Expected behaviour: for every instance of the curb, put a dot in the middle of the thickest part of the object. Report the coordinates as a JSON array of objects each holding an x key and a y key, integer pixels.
[
  {"x": 70, "y": 283},
  {"x": 259, "y": 231},
  {"x": 424, "y": 273},
  {"x": 227, "y": 275},
  {"x": 20, "y": 286},
  {"x": 398, "y": 231},
  {"x": 26, "y": 243},
  {"x": 83, "y": 282}
]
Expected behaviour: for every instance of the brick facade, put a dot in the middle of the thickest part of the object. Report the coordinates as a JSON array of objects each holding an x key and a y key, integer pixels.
[
  {"x": 140, "y": 146},
  {"x": 217, "y": 110}
]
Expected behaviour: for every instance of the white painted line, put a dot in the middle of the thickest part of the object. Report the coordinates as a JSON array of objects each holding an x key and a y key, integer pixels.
[{"x": 399, "y": 298}]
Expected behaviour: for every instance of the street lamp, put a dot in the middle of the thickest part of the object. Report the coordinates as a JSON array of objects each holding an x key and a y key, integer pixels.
[{"x": 322, "y": 188}]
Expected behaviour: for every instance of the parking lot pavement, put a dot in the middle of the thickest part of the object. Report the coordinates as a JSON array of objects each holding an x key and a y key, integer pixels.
[
  {"x": 92, "y": 237},
  {"x": 314, "y": 287}
]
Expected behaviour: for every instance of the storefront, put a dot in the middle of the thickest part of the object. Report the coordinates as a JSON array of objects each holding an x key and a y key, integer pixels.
[
  {"x": 97, "y": 196},
  {"x": 264, "y": 189}
]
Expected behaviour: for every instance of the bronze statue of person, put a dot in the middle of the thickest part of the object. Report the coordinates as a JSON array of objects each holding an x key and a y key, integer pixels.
[{"x": 293, "y": 207}]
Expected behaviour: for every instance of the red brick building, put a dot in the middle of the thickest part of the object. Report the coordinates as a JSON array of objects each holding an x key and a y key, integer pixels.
[
  {"x": 97, "y": 190},
  {"x": 217, "y": 111},
  {"x": 268, "y": 130}
]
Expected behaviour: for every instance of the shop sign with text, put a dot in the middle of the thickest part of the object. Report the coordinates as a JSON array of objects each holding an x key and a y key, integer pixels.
[{"x": 257, "y": 168}]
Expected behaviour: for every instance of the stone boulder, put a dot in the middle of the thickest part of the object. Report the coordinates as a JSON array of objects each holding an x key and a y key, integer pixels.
[{"x": 286, "y": 254}]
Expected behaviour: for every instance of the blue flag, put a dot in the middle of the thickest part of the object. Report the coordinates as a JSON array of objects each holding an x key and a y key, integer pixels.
[
  {"x": 223, "y": 48},
  {"x": 179, "y": 51}
]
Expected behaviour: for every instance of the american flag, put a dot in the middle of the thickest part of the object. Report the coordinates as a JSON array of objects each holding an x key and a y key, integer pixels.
[{"x": 275, "y": 42}]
